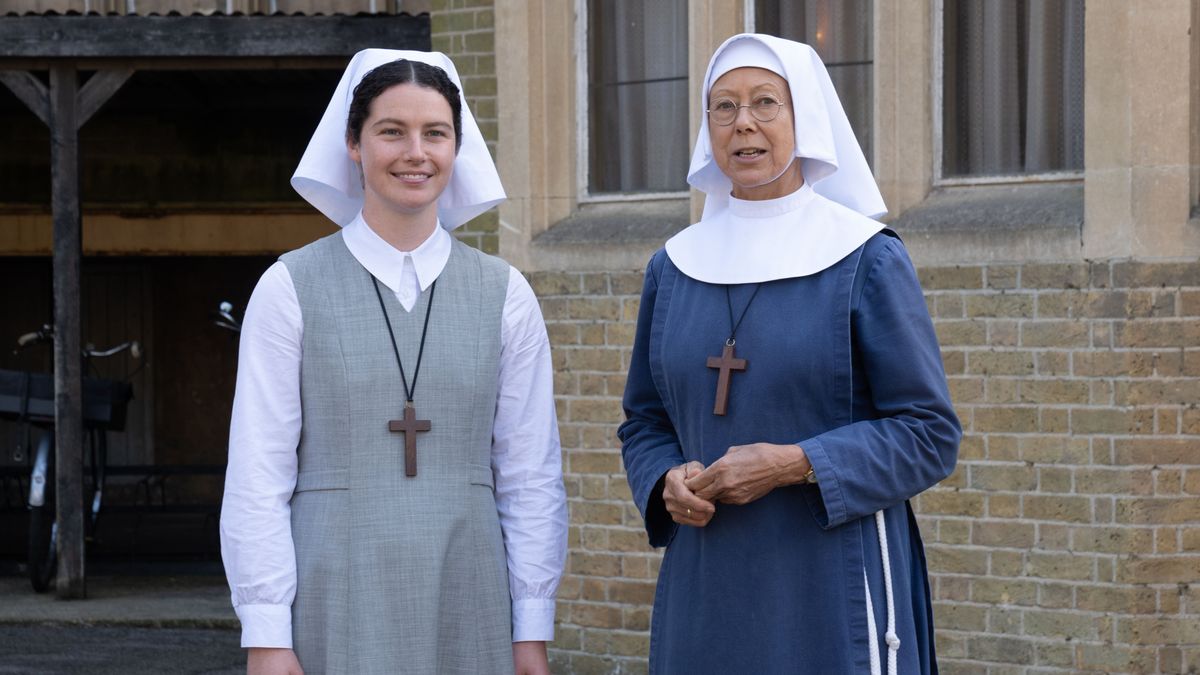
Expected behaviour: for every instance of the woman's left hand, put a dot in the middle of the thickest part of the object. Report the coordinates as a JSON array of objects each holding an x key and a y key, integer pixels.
[
  {"x": 529, "y": 658},
  {"x": 747, "y": 472}
]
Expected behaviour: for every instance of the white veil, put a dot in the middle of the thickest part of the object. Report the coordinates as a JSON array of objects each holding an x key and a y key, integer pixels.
[{"x": 329, "y": 180}]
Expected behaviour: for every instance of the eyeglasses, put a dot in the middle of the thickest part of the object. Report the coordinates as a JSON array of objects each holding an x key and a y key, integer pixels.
[{"x": 725, "y": 112}]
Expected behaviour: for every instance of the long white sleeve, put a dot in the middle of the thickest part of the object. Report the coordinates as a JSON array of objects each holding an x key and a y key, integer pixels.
[
  {"x": 527, "y": 464},
  {"x": 256, "y": 527}
]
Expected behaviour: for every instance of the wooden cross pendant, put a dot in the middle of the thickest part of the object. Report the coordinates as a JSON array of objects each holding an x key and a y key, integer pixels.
[
  {"x": 409, "y": 426},
  {"x": 726, "y": 364}
]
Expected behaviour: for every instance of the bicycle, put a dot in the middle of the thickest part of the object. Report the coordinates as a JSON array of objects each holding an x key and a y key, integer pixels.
[{"x": 28, "y": 398}]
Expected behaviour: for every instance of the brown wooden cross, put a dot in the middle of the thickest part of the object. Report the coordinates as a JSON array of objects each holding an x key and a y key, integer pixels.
[
  {"x": 726, "y": 364},
  {"x": 409, "y": 426}
]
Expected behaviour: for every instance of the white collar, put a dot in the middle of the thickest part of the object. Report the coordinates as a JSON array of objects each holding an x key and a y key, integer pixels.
[
  {"x": 385, "y": 262},
  {"x": 754, "y": 241},
  {"x": 769, "y": 208}
]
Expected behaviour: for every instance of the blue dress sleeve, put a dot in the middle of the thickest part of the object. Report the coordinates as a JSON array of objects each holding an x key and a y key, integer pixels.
[
  {"x": 649, "y": 444},
  {"x": 912, "y": 442}
]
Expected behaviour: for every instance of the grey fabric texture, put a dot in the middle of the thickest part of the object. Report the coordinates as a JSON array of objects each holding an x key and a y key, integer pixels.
[{"x": 398, "y": 574}]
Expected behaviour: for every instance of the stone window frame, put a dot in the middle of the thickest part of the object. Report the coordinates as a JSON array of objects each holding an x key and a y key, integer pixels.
[
  {"x": 536, "y": 69},
  {"x": 938, "y": 93},
  {"x": 959, "y": 220},
  {"x": 548, "y": 221},
  {"x": 1141, "y": 199},
  {"x": 1195, "y": 131},
  {"x": 583, "y": 132}
]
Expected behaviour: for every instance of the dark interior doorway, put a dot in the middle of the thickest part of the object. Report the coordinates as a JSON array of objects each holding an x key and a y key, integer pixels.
[{"x": 183, "y": 393}]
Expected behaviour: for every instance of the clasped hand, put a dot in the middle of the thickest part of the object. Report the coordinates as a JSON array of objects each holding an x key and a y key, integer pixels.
[{"x": 746, "y": 473}]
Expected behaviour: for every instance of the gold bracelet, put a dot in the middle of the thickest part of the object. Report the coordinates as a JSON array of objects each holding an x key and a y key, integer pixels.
[{"x": 809, "y": 477}]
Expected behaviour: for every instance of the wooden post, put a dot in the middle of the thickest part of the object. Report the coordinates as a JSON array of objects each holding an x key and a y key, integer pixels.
[
  {"x": 64, "y": 108},
  {"x": 68, "y": 375}
]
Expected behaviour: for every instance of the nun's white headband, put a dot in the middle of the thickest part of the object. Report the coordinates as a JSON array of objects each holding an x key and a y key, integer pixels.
[
  {"x": 833, "y": 162},
  {"x": 329, "y": 180}
]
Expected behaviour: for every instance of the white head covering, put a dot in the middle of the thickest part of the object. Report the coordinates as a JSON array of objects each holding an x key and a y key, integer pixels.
[
  {"x": 740, "y": 241},
  {"x": 329, "y": 180}
]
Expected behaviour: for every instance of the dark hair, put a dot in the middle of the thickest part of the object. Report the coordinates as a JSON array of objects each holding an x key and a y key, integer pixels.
[{"x": 401, "y": 71}]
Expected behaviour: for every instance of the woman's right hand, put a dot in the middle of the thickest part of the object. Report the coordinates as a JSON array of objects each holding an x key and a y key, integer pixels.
[
  {"x": 683, "y": 504},
  {"x": 271, "y": 661}
]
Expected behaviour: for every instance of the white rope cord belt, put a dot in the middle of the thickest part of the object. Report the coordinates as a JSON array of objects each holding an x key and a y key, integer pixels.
[{"x": 893, "y": 642}]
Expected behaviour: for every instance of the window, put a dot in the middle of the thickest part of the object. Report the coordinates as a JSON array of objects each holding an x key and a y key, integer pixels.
[
  {"x": 1012, "y": 88},
  {"x": 842, "y": 32},
  {"x": 637, "y": 97}
]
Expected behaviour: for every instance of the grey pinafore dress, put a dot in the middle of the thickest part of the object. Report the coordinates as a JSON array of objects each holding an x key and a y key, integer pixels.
[{"x": 398, "y": 574}]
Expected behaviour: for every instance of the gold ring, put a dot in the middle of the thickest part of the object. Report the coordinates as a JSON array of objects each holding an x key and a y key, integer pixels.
[{"x": 689, "y": 512}]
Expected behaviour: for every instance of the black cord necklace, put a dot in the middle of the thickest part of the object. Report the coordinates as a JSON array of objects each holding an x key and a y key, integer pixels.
[
  {"x": 410, "y": 424},
  {"x": 729, "y": 303},
  {"x": 727, "y": 362}
]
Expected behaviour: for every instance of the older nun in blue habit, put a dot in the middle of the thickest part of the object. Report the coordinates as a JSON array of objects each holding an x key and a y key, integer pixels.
[{"x": 786, "y": 396}]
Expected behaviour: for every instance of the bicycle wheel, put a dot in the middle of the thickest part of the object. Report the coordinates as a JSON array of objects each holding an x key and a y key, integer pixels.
[{"x": 43, "y": 528}]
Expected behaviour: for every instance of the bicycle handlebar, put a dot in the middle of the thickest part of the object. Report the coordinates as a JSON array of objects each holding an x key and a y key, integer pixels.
[
  {"x": 46, "y": 334},
  {"x": 225, "y": 318},
  {"x": 43, "y": 334},
  {"x": 135, "y": 350}
]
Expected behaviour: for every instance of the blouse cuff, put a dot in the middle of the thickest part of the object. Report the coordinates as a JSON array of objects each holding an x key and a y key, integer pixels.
[
  {"x": 827, "y": 501},
  {"x": 533, "y": 620},
  {"x": 266, "y": 625}
]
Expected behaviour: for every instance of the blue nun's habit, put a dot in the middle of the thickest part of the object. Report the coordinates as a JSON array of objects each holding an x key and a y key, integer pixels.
[{"x": 842, "y": 361}]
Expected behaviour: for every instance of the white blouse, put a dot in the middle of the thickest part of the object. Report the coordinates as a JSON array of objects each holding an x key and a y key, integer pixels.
[{"x": 256, "y": 535}]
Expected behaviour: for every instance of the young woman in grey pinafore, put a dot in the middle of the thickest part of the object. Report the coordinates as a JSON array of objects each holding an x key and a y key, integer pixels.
[{"x": 394, "y": 498}]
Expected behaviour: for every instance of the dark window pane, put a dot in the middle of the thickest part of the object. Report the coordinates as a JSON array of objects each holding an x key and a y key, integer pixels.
[
  {"x": 843, "y": 33},
  {"x": 1012, "y": 98},
  {"x": 637, "y": 96}
]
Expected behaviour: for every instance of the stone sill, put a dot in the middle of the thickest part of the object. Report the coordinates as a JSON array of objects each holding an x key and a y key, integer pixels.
[
  {"x": 609, "y": 235},
  {"x": 957, "y": 225},
  {"x": 995, "y": 223}
]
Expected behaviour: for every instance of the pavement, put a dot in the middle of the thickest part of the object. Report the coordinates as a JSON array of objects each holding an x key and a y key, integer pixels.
[
  {"x": 134, "y": 621},
  {"x": 118, "y": 650}
]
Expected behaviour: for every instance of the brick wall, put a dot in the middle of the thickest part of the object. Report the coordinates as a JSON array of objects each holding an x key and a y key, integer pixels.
[
  {"x": 1067, "y": 540},
  {"x": 608, "y": 588},
  {"x": 1069, "y": 535},
  {"x": 465, "y": 31}
]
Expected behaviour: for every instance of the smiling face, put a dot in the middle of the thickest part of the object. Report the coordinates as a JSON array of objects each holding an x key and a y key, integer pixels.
[
  {"x": 406, "y": 150},
  {"x": 757, "y": 157}
]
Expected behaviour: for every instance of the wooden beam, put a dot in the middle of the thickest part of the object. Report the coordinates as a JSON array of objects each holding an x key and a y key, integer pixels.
[
  {"x": 68, "y": 382},
  {"x": 94, "y": 93},
  {"x": 30, "y": 90},
  {"x": 123, "y": 36},
  {"x": 337, "y": 63},
  {"x": 109, "y": 233},
  {"x": 98, "y": 90}
]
